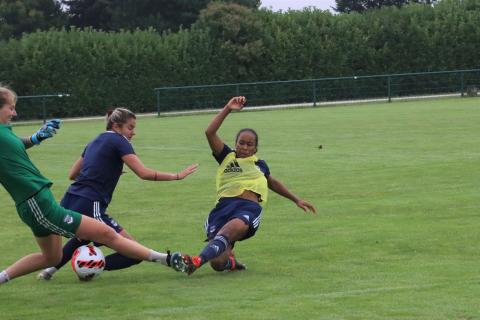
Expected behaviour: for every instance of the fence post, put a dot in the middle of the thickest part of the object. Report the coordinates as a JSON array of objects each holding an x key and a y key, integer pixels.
[
  {"x": 44, "y": 111},
  {"x": 389, "y": 88},
  {"x": 462, "y": 83},
  {"x": 314, "y": 93},
  {"x": 158, "y": 102}
]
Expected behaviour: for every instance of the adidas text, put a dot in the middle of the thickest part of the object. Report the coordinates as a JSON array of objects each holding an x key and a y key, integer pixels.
[{"x": 233, "y": 167}]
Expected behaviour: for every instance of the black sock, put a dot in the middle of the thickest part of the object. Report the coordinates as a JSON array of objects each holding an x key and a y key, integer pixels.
[
  {"x": 117, "y": 261},
  {"x": 68, "y": 250}
]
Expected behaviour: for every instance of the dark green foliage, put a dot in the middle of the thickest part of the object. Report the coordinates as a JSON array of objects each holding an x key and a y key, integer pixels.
[
  {"x": 347, "y": 6},
  {"x": 111, "y": 15},
  {"x": 17, "y": 17},
  {"x": 252, "y": 4},
  {"x": 98, "y": 69},
  {"x": 161, "y": 15},
  {"x": 237, "y": 36},
  {"x": 231, "y": 44}
]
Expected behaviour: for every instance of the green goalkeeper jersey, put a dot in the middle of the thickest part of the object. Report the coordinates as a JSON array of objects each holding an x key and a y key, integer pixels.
[{"x": 18, "y": 174}]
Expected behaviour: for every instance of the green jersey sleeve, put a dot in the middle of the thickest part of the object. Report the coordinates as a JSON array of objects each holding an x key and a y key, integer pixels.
[{"x": 18, "y": 174}]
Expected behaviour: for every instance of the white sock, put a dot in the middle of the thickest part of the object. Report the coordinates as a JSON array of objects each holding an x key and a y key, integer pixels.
[
  {"x": 158, "y": 257},
  {"x": 4, "y": 277},
  {"x": 51, "y": 270}
]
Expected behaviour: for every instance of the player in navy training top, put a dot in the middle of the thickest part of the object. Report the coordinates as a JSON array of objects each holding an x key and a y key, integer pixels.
[
  {"x": 96, "y": 174},
  {"x": 101, "y": 168},
  {"x": 37, "y": 207}
]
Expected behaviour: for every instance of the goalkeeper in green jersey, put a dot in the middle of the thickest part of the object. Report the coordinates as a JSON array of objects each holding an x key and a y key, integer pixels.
[{"x": 37, "y": 207}]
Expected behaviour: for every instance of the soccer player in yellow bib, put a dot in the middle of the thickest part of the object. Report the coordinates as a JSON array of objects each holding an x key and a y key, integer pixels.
[{"x": 242, "y": 191}]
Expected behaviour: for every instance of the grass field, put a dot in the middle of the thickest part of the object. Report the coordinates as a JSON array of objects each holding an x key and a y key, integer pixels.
[{"x": 396, "y": 236}]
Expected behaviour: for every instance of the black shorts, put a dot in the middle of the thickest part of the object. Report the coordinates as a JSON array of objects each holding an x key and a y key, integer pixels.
[
  {"x": 90, "y": 208},
  {"x": 230, "y": 208}
]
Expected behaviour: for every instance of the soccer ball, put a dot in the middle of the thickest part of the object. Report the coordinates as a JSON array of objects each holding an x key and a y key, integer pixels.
[{"x": 88, "y": 262}]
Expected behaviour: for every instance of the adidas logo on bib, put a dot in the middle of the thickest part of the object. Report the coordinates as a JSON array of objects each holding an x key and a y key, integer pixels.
[{"x": 233, "y": 167}]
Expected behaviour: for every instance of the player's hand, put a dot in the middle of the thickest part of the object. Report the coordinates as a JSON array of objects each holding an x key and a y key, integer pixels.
[
  {"x": 306, "y": 206},
  {"x": 236, "y": 103},
  {"x": 187, "y": 171},
  {"x": 46, "y": 131}
]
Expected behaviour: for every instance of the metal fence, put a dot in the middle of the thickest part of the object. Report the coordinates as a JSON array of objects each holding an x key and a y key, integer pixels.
[
  {"x": 311, "y": 92},
  {"x": 322, "y": 90},
  {"x": 39, "y": 106}
]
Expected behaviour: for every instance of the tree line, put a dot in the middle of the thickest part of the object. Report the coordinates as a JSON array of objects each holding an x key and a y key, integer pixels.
[
  {"x": 231, "y": 43},
  {"x": 26, "y": 16}
]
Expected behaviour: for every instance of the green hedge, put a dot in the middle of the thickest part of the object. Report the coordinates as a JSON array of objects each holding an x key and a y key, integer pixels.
[{"x": 230, "y": 44}]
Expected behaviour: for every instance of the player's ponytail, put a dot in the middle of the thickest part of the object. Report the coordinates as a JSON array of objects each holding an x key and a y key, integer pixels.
[{"x": 120, "y": 116}]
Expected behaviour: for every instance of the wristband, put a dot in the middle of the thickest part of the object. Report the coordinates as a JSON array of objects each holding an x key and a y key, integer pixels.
[{"x": 34, "y": 139}]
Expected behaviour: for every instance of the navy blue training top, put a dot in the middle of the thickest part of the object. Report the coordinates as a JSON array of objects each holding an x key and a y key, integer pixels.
[{"x": 102, "y": 167}]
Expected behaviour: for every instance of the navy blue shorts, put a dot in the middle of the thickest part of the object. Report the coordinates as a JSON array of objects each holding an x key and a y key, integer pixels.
[
  {"x": 90, "y": 208},
  {"x": 230, "y": 208}
]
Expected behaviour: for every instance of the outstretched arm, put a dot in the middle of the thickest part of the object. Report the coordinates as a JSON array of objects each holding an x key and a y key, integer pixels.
[
  {"x": 215, "y": 142},
  {"x": 27, "y": 142},
  {"x": 282, "y": 190},
  {"x": 45, "y": 132},
  {"x": 134, "y": 163}
]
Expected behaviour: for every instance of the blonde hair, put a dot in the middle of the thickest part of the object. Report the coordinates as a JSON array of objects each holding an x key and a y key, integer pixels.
[
  {"x": 5, "y": 91},
  {"x": 119, "y": 116}
]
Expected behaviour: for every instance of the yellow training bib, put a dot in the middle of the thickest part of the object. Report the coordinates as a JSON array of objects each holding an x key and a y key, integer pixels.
[{"x": 235, "y": 175}]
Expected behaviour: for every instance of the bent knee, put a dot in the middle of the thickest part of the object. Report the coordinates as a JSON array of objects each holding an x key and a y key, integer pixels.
[{"x": 107, "y": 235}]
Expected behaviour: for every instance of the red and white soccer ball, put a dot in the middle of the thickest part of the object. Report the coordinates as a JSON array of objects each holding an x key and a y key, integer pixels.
[{"x": 88, "y": 262}]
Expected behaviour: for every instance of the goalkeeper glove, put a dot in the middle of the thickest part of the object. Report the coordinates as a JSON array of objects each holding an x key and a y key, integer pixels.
[{"x": 46, "y": 131}]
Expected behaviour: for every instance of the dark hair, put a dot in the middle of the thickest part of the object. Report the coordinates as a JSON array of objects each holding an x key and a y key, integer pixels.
[
  {"x": 249, "y": 130},
  {"x": 119, "y": 116},
  {"x": 5, "y": 91}
]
